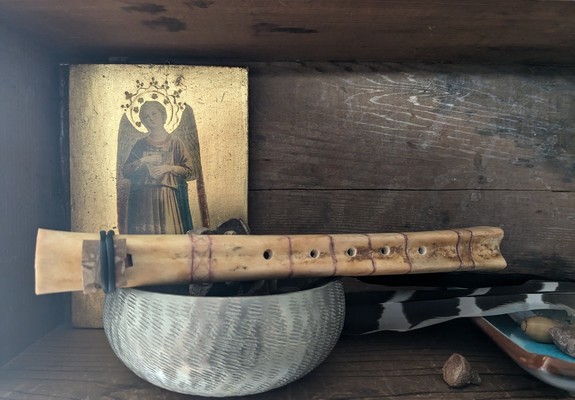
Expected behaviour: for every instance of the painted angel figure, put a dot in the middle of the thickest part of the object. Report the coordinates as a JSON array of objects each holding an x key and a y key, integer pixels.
[{"x": 153, "y": 173}]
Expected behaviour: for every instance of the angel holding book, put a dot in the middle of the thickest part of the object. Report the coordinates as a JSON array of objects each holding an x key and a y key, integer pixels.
[{"x": 158, "y": 167}]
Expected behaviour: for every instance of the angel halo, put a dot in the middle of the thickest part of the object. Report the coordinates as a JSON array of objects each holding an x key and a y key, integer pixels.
[{"x": 155, "y": 92}]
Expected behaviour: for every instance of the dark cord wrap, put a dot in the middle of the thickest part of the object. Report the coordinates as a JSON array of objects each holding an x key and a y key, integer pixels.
[{"x": 107, "y": 262}]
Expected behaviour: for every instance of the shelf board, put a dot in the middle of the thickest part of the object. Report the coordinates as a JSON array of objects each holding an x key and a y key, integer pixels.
[
  {"x": 79, "y": 364},
  {"x": 490, "y": 31}
]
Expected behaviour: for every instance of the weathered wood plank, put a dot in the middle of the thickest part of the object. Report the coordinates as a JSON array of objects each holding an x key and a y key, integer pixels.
[
  {"x": 389, "y": 126},
  {"x": 79, "y": 364},
  {"x": 488, "y": 31},
  {"x": 538, "y": 225}
]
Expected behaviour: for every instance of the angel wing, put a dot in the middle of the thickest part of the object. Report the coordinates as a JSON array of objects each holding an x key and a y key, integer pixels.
[
  {"x": 187, "y": 132},
  {"x": 128, "y": 135}
]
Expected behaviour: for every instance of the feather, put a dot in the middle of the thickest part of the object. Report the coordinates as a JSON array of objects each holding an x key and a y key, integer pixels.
[{"x": 398, "y": 310}]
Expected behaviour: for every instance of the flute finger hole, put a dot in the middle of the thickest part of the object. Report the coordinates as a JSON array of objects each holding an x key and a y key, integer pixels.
[{"x": 385, "y": 250}]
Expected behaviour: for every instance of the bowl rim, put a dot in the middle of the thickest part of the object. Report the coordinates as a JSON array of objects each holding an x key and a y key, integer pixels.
[{"x": 317, "y": 288}]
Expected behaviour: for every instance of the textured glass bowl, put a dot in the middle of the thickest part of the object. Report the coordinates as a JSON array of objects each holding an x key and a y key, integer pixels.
[{"x": 224, "y": 346}]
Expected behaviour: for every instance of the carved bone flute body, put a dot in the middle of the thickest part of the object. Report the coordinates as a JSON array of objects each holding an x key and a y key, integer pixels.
[{"x": 177, "y": 259}]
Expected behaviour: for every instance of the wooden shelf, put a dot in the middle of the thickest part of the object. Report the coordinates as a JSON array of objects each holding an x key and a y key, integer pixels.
[
  {"x": 349, "y": 133},
  {"x": 79, "y": 364},
  {"x": 493, "y": 31}
]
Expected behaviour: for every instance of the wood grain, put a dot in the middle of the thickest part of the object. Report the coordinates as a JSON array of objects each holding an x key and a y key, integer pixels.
[
  {"x": 391, "y": 126},
  {"x": 79, "y": 364},
  {"x": 515, "y": 31}
]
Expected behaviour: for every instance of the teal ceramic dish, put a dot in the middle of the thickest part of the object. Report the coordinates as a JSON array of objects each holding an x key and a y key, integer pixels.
[{"x": 544, "y": 361}]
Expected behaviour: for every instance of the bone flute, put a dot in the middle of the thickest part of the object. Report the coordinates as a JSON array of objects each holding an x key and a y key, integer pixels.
[{"x": 62, "y": 259}]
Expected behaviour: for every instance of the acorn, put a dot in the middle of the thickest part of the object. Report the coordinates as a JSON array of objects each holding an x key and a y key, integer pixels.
[
  {"x": 457, "y": 372},
  {"x": 537, "y": 328}
]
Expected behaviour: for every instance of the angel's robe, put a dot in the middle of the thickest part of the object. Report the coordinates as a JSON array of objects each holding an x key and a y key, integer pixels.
[{"x": 158, "y": 205}]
